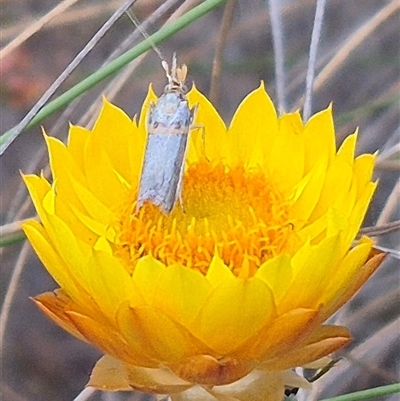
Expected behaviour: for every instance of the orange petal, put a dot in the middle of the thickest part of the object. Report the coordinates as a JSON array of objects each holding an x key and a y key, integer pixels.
[
  {"x": 320, "y": 343},
  {"x": 103, "y": 335},
  {"x": 279, "y": 335},
  {"x": 54, "y": 306},
  {"x": 354, "y": 282},
  {"x": 209, "y": 371}
]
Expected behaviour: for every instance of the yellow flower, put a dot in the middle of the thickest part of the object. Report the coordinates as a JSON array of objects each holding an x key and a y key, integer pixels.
[{"x": 230, "y": 290}]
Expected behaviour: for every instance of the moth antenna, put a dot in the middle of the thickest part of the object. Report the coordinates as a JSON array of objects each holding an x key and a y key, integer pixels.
[
  {"x": 165, "y": 66},
  {"x": 136, "y": 22},
  {"x": 174, "y": 65}
]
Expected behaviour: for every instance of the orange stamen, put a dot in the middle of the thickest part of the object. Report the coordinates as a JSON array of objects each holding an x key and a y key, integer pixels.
[{"x": 235, "y": 213}]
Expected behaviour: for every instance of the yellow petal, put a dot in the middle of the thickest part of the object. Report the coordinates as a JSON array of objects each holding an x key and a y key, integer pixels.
[
  {"x": 336, "y": 187},
  {"x": 92, "y": 206},
  {"x": 114, "y": 133},
  {"x": 56, "y": 266},
  {"x": 313, "y": 272},
  {"x": 218, "y": 272},
  {"x": 109, "y": 283},
  {"x": 286, "y": 159},
  {"x": 211, "y": 136},
  {"x": 148, "y": 271},
  {"x": 73, "y": 252},
  {"x": 102, "y": 178},
  {"x": 363, "y": 167},
  {"x": 358, "y": 213},
  {"x": 319, "y": 136},
  {"x": 277, "y": 274},
  {"x": 63, "y": 168},
  {"x": 236, "y": 310},
  {"x": 77, "y": 140},
  {"x": 347, "y": 150},
  {"x": 251, "y": 141},
  {"x": 151, "y": 97},
  {"x": 307, "y": 193},
  {"x": 174, "y": 294},
  {"x": 351, "y": 275},
  {"x": 140, "y": 327},
  {"x": 38, "y": 187}
]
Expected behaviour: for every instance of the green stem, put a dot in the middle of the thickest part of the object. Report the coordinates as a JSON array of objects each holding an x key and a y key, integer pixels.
[
  {"x": 368, "y": 394},
  {"x": 117, "y": 64},
  {"x": 12, "y": 239}
]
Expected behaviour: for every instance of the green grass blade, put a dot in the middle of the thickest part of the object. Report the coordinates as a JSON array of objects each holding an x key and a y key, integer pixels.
[{"x": 368, "y": 394}]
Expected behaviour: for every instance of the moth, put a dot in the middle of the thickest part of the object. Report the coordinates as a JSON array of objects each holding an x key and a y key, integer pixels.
[{"x": 169, "y": 122}]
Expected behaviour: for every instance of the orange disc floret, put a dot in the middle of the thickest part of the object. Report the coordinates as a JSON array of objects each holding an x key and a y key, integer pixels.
[{"x": 233, "y": 213}]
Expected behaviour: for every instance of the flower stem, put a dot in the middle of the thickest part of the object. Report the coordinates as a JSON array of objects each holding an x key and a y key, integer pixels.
[{"x": 368, "y": 394}]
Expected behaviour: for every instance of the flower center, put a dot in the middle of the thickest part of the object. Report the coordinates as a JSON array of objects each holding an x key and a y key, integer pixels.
[{"x": 235, "y": 213}]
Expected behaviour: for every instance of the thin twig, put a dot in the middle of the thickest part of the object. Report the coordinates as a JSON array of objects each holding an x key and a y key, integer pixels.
[
  {"x": 315, "y": 37},
  {"x": 388, "y": 165},
  {"x": 85, "y": 394},
  {"x": 74, "y": 16},
  {"x": 277, "y": 38},
  {"x": 11, "y": 290},
  {"x": 36, "y": 26},
  {"x": 356, "y": 39},
  {"x": 386, "y": 153},
  {"x": 374, "y": 306},
  {"x": 12, "y": 228},
  {"x": 391, "y": 204},
  {"x": 10, "y": 394},
  {"x": 219, "y": 52},
  {"x": 65, "y": 74},
  {"x": 381, "y": 229},
  {"x": 364, "y": 354}
]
